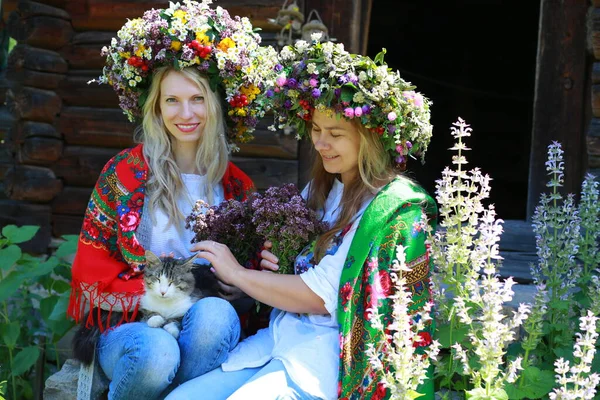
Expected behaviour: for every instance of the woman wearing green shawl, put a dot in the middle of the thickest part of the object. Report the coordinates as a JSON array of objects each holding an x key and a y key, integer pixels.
[{"x": 364, "y": 122}]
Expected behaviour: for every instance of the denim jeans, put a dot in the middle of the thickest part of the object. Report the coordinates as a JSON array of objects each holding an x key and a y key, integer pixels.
[
  {"x": 269, "y": 382},
  {"x": 142, "y": 362}
]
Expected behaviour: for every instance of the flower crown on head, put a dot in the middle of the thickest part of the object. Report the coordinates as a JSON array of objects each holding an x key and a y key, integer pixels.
[
  {"x": 325, "y": 76},
  {"x": 192, "y": 34}
]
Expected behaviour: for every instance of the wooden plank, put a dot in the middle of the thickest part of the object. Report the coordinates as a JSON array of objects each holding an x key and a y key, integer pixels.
[
  {"x": 40, "y": 80},
  {"x": 596, "y": 72},
  {"x": 20, "y": 213},
  {"x": 32, "y": 184},
  {"x": 33, "y": 104},
  {"x": 36, "y": 59},
  {"x": 6, "y": 121},
  {"x": 21, "y": 130},
  {"x": 86, "y": 126},
  {"x": 84, "y": 56},
  {"x": 66, "y": 224},
  {"x": 596, "y": 100},
  {"x": 29, "y": 9},
  {"x": 517, "y": 264},
  {"x": 595, "y": 32},
  {"x": 44, "y": 32},
  {"x": 40, "y": 151},
  {"x": 518, "y": 236},
  {"x": 80, "y": 166},
  {"x": 267, "y": 172},
  {"x": 75, "y": 91},
  {"x": 71, "y": 201},
  {"x": 559, "y": 94}
]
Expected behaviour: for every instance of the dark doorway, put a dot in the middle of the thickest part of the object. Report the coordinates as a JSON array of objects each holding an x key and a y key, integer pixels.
[{"x": 474, "y": 59}]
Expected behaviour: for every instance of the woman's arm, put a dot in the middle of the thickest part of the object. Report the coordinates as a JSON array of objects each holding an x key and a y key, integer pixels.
[{"x": 286, "y": 292}]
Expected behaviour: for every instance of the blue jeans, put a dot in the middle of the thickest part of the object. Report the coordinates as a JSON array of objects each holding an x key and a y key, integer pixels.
[
  {"x": 269, "y": 382},
  {"x": 142, "y": 362}
]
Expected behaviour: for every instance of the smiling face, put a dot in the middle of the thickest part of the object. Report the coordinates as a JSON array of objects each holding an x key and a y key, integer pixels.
[
  {"x": 338, "y": 142},
  {"x": 182, "y": 109}
]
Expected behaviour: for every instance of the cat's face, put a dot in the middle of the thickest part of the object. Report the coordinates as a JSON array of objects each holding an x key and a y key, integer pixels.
[{"x": 168, "y": 277}]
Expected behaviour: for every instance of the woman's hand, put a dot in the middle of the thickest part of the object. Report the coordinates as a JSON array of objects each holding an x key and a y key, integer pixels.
[
  {"x": 230, "y": 292},
  {"x": 269, "y": 260},
  {"x": 224, "y": 264}
]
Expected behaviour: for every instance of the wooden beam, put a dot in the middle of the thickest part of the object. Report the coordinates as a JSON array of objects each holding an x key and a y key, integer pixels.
[
  {"x": 560, "y": 89},
  {"x": 33, "y": 104},
  {"x": 41, "y": 31},
  {"x": 33, "y": 184}
]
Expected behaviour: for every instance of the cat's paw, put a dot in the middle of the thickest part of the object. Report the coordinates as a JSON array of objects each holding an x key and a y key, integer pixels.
[
  {"x": 172, "y": 328},
  {"x": 156, "y": 321}
]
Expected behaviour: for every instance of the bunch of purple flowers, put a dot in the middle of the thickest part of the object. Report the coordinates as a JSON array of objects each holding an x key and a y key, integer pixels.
[{"x": 280, "y": 215}]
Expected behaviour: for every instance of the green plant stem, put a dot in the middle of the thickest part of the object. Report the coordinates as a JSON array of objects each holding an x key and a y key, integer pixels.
[
  {"x": 525, "y": 365},
  {"x": 10, "y": 354}
]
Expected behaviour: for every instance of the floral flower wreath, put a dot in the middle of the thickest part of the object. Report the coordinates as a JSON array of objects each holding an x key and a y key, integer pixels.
[
  {"x": 226, "y": 49},
  {"x": 325, "y": 76}
]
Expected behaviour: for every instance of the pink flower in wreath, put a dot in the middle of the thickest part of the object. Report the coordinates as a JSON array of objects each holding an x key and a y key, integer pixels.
[{"x": 129, "y": 221}]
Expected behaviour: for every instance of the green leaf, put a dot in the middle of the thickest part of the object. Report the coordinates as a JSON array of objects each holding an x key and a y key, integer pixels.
[
  {"x": 537, "y": 383},
  {"x": 68, "y": 247},
  {"x": 47, "y": 306},
  {"x": 24, "y": 360},
  {"x": 42, "y": 268},
  {"x": 347, "y": 94},
  {"x": 564, "y": 352},
  {"x": 19, "y": 234},
  {"x": 10, "y": 333},
  {"x": 10, "y": 284},
  {"x": 458, "y": 335},
  {"x": 59, "y": 311},
  {"x": 60, "y": 286},
  {"x": 9, "y": 256},
  {"x": 558, "y": 304},
  {"x": 379, "y": 57}
]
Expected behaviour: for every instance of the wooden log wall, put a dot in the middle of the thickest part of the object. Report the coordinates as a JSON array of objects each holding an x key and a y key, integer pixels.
[
  {"x": 593, "y": 129},
  {"x": 560, "y": 95},
  {"x": 64, "y": 130}
]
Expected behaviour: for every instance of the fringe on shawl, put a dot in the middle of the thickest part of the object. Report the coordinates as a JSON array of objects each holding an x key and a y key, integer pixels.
[{"x": 87, "y": 301}]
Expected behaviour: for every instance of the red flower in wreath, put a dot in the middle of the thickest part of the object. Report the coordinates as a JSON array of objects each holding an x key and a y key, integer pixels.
[{"x": 129, "y": 221}]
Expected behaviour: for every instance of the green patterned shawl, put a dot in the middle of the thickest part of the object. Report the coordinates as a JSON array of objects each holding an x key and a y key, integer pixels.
[{"x": 392, "y": 218}]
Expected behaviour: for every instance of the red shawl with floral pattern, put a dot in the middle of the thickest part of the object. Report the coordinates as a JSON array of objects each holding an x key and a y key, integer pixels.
[{"x": 109, "y": 260}]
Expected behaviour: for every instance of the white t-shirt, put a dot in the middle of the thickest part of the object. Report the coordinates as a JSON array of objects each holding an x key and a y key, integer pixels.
[
  {"x": 172, "y": 240},
  {"x": 307, "y": 344}
]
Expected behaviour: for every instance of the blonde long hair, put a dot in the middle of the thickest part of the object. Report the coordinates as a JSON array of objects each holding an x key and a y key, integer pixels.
[
  {"x": 375, "y": 169},
  {"x": 164, "y": 180}
]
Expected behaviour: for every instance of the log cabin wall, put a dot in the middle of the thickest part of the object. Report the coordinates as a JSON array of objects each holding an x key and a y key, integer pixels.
[
  {"x": 63, "y": 130},
  {"x": 593, "y": 130}
]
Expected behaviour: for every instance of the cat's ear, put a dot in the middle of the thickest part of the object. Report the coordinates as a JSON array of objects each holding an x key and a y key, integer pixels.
[
  {"x": 151, "y": 259},
  {"x": 190, "y": 260}
]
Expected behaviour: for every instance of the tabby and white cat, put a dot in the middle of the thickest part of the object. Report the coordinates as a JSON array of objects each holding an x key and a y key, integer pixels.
[{"x": 172, "y": 287}]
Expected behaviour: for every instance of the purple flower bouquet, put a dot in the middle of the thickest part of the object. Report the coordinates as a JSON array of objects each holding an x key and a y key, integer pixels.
[{"x": 280, "y": 215}]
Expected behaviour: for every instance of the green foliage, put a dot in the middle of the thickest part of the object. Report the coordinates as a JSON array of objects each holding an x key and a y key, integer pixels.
[{"x": 34, "y": 293}]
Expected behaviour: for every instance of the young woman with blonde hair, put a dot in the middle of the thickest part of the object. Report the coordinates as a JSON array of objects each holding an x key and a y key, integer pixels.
[
  {"x": 364, "y": 121},
  {"x": 195, "y": 99}
]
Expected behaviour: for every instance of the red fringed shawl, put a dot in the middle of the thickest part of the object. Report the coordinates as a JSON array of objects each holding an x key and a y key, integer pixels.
[{"x": 109, "y": 260}]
